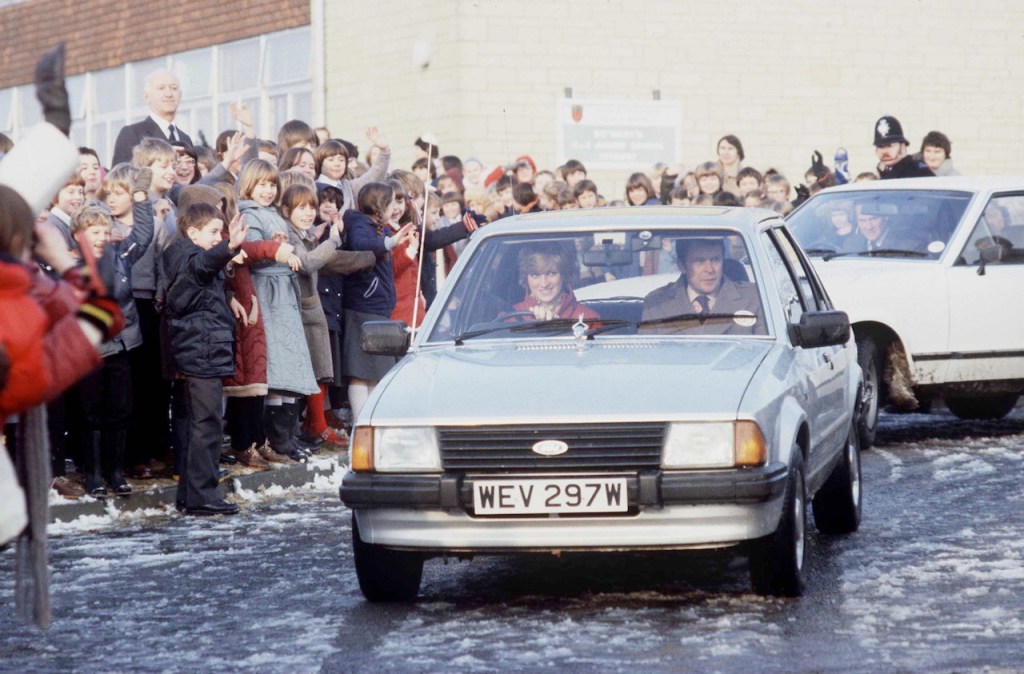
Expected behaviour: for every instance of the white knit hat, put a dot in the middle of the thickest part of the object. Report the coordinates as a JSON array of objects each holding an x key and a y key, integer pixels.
[{"x": 39, "y": 164}]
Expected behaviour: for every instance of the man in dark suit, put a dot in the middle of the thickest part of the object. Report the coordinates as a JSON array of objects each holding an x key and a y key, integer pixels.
[
  {"x": 163, "y": 94},
  {"x": 731, "y": 307},
  {"x": 874, "y": 233}
]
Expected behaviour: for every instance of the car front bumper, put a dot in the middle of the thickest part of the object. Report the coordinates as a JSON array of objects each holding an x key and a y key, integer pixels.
[{"x": 668, "y": 510}]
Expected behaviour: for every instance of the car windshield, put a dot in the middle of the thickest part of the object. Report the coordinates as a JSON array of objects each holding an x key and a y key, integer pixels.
[
  {"x": 879, "y": 223},
  {"x": 602, "y": 283}
]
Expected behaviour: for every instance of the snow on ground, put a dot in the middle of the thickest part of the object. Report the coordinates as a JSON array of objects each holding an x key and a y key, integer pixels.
[{"x": 933, "y": 581}]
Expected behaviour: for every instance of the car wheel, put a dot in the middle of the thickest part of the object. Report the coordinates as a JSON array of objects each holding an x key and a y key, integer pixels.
[
  {"x": 837, "y": 505},
  {"x": 982, "y": 407},
  {"x": 867, "y": 422},
  {"x": 777, "y": 560},
  {"x": 385, "y": 575}
]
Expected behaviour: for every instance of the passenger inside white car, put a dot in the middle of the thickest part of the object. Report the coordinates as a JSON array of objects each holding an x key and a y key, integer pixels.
[
  {"x": 704, "y": 299},
  {"x": 524, "y": 286}
]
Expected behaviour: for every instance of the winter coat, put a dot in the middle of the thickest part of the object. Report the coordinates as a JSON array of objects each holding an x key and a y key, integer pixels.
[
  {"x": 434, "y": 240},
  {"x": 251, "y": 340},
  {"x": 405, "y": 287},
  {"x": 289, "y": 368},
  {"x": 43, "y": 350},
  {"x": 908, "y": 167},
  {"x": 200, "y": 325},
  {"x": 126, "y": 253},
  {"x": 350, "y": 187},
  {"x": 331, "y": 288},
  {"x": 316, "y": 255},
  {"x": 146, "y": 272},
  {"x": 371, "y": 291}
]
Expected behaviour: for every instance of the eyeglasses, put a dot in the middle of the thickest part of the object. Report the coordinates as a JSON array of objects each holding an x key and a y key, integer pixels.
[{"x": 186, "y": 161}]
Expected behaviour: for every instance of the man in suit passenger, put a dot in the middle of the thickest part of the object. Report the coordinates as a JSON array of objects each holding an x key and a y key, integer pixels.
[
  {"x": 731, "y": 307},
  {"x": 874, "y": 233},
  {"x": 163, "y": 94}
]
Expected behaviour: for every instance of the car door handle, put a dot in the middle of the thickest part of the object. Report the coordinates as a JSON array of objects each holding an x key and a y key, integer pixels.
[{"x": 828, "y": 359}]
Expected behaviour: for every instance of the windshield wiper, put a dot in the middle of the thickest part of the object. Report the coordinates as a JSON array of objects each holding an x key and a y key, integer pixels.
[
  {"x": 702, "y": 318},
  {"x": 878, "y": 252},
  {"x": 893, "y": 251},
  {"x": 821, "y": 251},
  {"x": 554, "y": 323}
]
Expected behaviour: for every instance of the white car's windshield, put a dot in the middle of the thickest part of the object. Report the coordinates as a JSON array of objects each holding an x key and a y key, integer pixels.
[
  {"x": 659, "y": 282},
  {"x": 879, "y": 223}
]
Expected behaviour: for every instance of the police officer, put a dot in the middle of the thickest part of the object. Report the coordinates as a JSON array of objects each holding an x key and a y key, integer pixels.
[{"x": 891, "y": 149}]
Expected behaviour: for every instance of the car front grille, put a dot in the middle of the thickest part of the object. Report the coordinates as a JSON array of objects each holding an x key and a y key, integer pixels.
[{"x": 592, "y": 447}]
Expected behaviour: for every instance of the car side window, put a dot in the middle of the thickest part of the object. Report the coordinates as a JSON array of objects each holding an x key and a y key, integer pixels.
[
  {"x": 998, "y": 234},
  {"x": 785, "y": 283},
  {"x": 805, "y": 284}
]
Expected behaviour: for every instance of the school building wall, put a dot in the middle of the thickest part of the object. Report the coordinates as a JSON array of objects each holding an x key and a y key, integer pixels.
[
  {"x": 786, "y": 77},
  {"x": 107, "y": 33}
]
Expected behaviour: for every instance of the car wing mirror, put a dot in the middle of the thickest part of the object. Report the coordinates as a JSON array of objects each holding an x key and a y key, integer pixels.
[
  {"x": 821, "y": 328},
  {"x": 384, "y": 338}
]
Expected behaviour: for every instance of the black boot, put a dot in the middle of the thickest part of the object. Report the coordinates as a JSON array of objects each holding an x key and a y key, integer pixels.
[
  {"x": 279, "y": 422},
  {"x": 91, "y": 464},
  {"x": 113, "y": 442}
]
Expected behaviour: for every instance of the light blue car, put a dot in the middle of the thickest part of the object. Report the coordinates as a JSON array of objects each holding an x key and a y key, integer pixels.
[{"x": 650, "y": 378}]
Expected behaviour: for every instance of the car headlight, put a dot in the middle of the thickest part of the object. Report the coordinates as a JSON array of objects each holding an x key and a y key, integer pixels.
[
  {"x": 399, "y": 449},
  {"x": 713, "y": 445}
]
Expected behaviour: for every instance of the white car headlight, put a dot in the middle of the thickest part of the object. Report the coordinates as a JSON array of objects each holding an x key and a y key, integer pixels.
[
  {"x": 699, "y": 445},
  {"x": 406, "y": 449}
]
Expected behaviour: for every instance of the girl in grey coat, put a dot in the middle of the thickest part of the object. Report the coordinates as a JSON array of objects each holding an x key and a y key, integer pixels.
[
  {"x": 299, "y": 207},
  {"x": 289, "y": 367}
]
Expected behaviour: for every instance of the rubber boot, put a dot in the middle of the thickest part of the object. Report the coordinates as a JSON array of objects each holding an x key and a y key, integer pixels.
[
  {"x": 113, "y": 444},
  {"x": 91, "y": 464},
  {"x": 305, "y": 444},
  {"x": 279, "y": 423}
]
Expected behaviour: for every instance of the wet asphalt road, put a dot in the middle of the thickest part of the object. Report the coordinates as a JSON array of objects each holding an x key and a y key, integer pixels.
[{"x": 933, "y": 582}]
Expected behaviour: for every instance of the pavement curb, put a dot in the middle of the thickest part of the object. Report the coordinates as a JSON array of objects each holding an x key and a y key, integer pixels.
[{"x": 280, "y": 475}]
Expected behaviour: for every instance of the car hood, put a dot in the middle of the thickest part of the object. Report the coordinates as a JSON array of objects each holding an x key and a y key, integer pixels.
[{"x": 534, "y": 381}]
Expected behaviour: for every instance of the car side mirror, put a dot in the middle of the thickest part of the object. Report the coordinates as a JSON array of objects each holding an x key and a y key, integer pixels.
[
  {"x": 384, "y": 338},
  {"x": 821, "y": 328}
]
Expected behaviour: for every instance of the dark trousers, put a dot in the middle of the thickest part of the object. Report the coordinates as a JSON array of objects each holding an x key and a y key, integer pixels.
[
  {"x": 245, "y": 422},
  {"x": 197, "y": 482},
  {"x": 105, "y": 395},
  {"x": 149, "y": 431}
]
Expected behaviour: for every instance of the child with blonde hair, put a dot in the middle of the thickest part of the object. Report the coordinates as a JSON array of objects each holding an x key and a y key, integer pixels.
[
  {"x": 289, "y": 369},
  {"x": 105, "y": 396}
]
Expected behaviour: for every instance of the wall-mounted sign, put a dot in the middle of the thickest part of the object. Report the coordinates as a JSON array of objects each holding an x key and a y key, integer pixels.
[{"x": 608, "y": 134}]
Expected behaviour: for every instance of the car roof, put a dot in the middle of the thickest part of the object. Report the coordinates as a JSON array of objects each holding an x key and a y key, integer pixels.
[
  {"x": 746, "y": 220},
  {"x": 963, "y": 183}
]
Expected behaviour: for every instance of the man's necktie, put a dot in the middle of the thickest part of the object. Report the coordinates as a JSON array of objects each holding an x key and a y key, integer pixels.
[
  {"x": 171, "y": 135},
  {"x": 702, "y": 302}
]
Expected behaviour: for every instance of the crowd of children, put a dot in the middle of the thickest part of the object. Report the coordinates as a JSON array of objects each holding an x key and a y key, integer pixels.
[{"x": 245, "y": 271}]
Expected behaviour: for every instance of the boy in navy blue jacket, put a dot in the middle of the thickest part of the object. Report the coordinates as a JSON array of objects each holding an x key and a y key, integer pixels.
[{"x": 200, "y": 327}]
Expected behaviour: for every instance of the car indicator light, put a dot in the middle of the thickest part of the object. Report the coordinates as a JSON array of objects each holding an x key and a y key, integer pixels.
[
  {"x": 361, "y": 458},
  {"x": 750, "y": 446}
]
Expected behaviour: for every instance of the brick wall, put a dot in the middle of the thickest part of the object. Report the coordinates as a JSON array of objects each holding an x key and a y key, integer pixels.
[
  {"x": 787, "y": 78},
  {"x": 106, "y": 33}
]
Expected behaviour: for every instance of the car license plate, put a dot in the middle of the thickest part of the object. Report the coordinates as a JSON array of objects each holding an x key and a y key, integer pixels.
[{"x": 538, "y": 497}]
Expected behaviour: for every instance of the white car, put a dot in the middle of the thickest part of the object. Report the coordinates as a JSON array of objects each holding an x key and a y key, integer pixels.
[{"x": 931, "y": 275}]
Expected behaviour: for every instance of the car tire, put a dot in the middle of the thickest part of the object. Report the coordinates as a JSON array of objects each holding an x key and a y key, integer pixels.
[
  {"x": 983, "y": 407},
  {"x": 837, "y": 505},
  {"x": 385, "y": 575},
  {"x": 870, "y": 399},
  {"x": 777, "y": 560}
]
